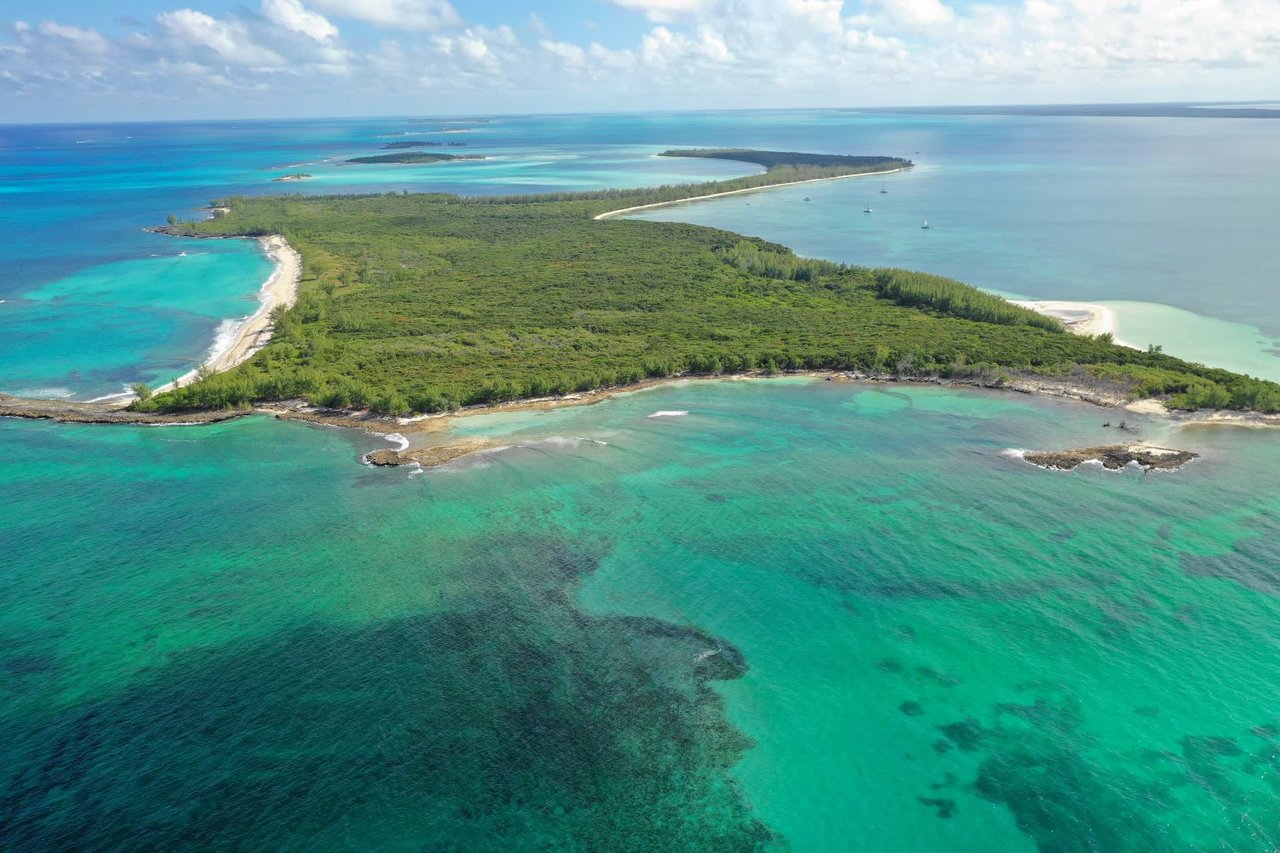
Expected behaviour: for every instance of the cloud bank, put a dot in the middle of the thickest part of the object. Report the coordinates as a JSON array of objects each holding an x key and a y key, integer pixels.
[{"x": 404, "y": 56}]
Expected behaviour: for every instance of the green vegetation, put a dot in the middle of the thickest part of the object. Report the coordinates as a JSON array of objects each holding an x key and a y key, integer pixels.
[
  {"x": 794, "y": 159},
  {"x": 422, "y": 303},
  {"x": 921, "y": 290},
  {"x": 412, "y": 144},
  {"x": 414, "y": 157}
]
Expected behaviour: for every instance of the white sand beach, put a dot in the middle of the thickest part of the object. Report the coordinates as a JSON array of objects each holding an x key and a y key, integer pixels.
[
  {"x": 1081, "y": 318},
  {"x": 253, "y": 333}
]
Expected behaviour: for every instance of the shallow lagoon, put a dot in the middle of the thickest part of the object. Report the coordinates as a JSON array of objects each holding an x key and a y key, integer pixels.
[{"x": 236, "y": 634}]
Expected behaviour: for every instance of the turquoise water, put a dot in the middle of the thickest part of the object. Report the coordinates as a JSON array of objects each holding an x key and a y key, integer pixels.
[
  {"x": 109, "y": 325},
  {"x": 805, "y": 615}
]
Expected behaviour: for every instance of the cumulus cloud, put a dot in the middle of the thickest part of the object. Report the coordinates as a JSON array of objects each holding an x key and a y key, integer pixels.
[
  {"x": 293, "y": 16},
  {"x": 917, "y": 12},
  {"x": 395, "y": 14},
  {"x": 83, "y": 39},
  {"x": 665, "y": 11},
  {"x": 229, "y": 41},
  {"x": 739, "y": 52}
]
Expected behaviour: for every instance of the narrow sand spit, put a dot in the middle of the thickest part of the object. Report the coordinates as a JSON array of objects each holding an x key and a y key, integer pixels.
[{"x": 621, "y": 211}]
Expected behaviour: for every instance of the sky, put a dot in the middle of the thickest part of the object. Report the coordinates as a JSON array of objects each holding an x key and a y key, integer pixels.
[{"x": 93, "y": 60}]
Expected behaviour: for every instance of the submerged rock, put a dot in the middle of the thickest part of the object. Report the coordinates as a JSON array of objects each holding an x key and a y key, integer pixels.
[{"x": 1114, "y": 456}]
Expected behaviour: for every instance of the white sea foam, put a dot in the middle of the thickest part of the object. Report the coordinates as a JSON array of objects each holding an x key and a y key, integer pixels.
[
  {"x": 225, "y": 338},
  {"x": 704, "y": 655},
  {"x": 119, "y": 395},
  {"x": 673, "y": 413},
  {"x": 1021, "y": 455},
  {"x": 479, "y": 459},
  {"x": 397, "y": 438},
  {"x": 46, "y": 393},
  {"x": 559, "y": 441}
]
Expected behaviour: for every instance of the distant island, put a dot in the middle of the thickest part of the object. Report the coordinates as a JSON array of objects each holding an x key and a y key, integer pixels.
[
  {"x": 414, "y": 143},
  {"x": 1172, "y": 110},
  {"x": 788, "y": 159},
  {"x": 430, "y": 302},
  {"x": 414, "y": 157},
  {"x": 296, "y": 176},
  {"x": 422, "y": 143}
]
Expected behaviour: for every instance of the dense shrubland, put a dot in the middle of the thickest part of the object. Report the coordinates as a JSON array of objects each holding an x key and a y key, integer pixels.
[{"x": 425, "y": 303}]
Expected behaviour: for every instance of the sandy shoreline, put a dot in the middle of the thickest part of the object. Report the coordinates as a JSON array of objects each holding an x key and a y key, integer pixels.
[
  {"x": 253, "y": 333},
  {"x": 623, "y": 210},
  {"x": 1081, "y": 318}
]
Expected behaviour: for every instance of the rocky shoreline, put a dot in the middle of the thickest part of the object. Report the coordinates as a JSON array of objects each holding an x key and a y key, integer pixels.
[
  {"x": 1094, "y": 393},
  {"x": 71, "y": 412}
]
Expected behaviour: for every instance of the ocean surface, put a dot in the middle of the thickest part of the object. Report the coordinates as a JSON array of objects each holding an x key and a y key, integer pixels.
[{"x": 770, "y": 614}]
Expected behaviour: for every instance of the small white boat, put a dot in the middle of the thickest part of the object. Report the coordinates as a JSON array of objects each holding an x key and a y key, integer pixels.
[
  {"x": 925, "y": 225},
  {"x": 866, "y": 209}
]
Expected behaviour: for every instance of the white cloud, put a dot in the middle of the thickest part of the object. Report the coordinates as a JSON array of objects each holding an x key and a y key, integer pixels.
[
  {"x": 568, "y": 53},
  {"x": 480, "y": 49},
  {"x": 538, "y": 25},
  {"x": 230, "y": 41},
  {"x": 396, "y": 14},
  {"x": 822, "y": 15},
  {"x": 917, "y": 12},
  {"x": 665, "y": 11},
  {"x": 90, "y": 40},
  {"x": 694, "y": 53},
  {"x": 295, "y": 17}
]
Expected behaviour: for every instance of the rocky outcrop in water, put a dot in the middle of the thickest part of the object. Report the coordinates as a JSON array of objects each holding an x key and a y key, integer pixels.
[{"x": 1115, "y": 456}]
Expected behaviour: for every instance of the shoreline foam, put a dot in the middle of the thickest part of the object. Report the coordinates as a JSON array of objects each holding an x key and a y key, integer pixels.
[{"x": 237, "y": 340}]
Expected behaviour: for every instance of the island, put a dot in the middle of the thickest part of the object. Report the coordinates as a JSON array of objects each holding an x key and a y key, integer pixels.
[
  {"x": 775, "y": 160},
  {"x": 414, "y": 143},
  {"x": 1113, "y": 457},
  {"x": 426, "y": 303},
  {"x": 296, "y": 176},
  {"x": 414, "y": 157}
]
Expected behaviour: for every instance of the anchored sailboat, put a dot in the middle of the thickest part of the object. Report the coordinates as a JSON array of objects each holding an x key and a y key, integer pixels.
[{"x": 924, "y": 223}]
